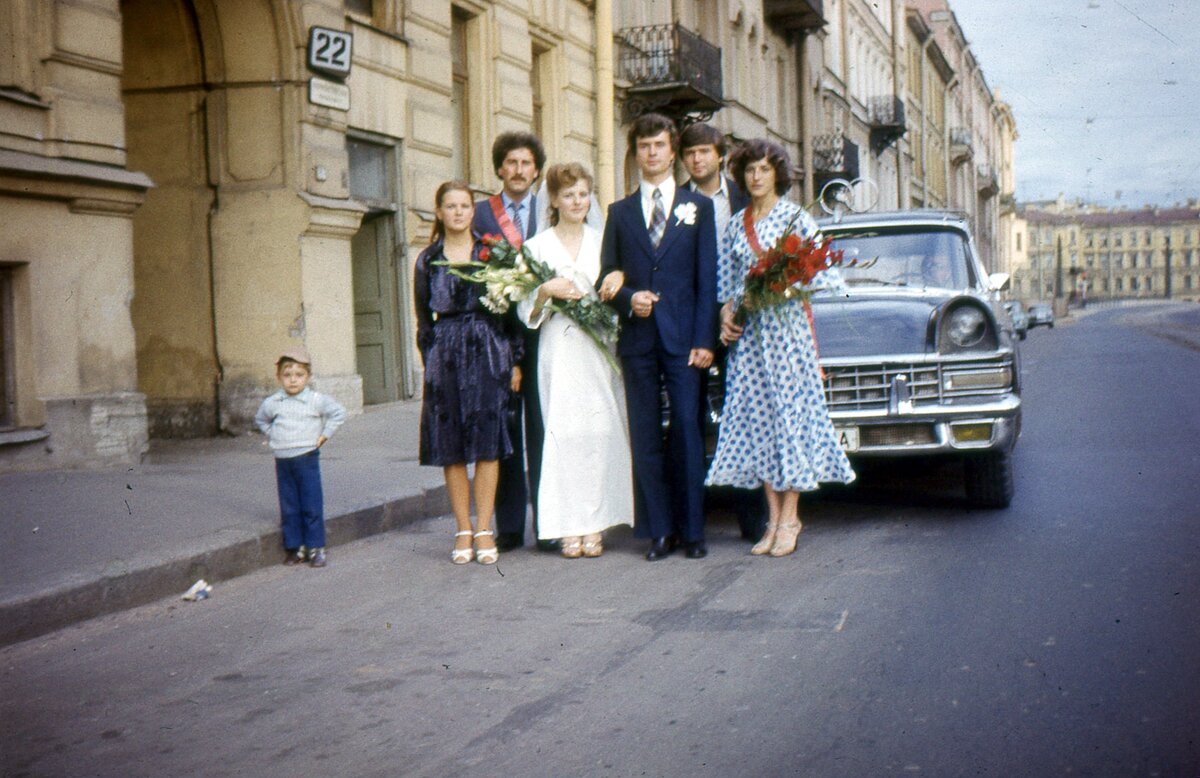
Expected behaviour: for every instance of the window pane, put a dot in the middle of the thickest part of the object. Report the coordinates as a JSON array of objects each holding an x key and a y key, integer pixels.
[{"x": 369, "y": 177}]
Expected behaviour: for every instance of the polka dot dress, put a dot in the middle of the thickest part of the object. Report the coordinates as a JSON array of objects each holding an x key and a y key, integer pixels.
[{"x": 774, "y": 427}]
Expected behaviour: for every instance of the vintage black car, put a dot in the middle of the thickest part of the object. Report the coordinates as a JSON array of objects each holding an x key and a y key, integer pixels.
[{"x": 919, "y": 356}]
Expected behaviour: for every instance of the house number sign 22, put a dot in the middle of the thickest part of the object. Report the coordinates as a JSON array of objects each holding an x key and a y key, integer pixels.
[{"x": 329, "y": 51}]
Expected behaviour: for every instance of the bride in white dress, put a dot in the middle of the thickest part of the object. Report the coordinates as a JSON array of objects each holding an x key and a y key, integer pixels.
[{"x": 587, "y": 481}]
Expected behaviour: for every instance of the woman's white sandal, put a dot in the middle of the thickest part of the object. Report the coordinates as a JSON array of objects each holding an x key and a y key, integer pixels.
[
  {"x": 486, "y": 556},
  {"x": 462, "y": 556}
]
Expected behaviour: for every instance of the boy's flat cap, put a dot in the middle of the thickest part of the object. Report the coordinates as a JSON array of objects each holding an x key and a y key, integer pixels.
[{"x": 295, "y": 354}]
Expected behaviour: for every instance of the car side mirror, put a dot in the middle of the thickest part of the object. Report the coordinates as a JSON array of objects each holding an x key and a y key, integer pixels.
[{"x": 998, "y": 282}]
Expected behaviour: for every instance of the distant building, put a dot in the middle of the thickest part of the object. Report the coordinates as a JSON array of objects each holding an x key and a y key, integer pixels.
[{"x": 1107, "y": 253}]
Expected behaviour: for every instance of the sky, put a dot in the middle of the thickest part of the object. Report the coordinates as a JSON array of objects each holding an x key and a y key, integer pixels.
[{"x": 1106, "y": 94}]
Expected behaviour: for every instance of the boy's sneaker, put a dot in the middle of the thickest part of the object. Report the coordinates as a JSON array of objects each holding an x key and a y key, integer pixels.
[
  {"x": 316, "y": 557},
  {"x": 294, "y": 556}
]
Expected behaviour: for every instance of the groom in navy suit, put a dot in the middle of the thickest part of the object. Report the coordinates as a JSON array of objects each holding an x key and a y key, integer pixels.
[{"x": 663, "y": 239}]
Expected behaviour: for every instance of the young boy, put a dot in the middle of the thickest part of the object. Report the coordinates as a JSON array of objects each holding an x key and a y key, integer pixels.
[{"x": 297, "y": 421}]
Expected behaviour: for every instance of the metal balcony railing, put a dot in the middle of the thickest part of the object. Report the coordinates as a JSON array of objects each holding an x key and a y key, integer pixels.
[
  {"x": 669, "y": 67},
  {"x": 835, "y": 156}
]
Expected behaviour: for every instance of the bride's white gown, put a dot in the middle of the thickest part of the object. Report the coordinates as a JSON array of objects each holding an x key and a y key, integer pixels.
[{"x": 587, "y": 475}]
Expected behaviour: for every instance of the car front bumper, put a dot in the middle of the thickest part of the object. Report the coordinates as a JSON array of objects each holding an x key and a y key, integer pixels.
[{"x": 961, "y": 428}]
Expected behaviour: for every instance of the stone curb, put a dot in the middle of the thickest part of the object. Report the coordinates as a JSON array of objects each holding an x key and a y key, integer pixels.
[{"x": 37, "y": 614}]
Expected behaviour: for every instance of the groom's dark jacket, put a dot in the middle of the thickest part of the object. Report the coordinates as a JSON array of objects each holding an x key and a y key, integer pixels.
[{"x": 682, "y": 271}]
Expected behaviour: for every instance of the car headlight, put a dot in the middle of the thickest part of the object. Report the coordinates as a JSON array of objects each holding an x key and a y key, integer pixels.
[{"x": 966, "y": 326}]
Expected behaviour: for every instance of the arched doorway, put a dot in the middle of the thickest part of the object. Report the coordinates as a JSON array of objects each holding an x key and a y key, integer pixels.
[
  {"x": 166, "y": 129},
  {"x": 208, "y": 114}
]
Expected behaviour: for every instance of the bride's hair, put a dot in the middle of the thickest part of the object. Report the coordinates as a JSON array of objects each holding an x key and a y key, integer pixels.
[{"x": 562, "y": 176}]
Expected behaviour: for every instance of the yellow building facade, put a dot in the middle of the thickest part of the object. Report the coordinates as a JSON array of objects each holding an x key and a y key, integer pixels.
[
  {"x": 184, "y": 197},
  {"x": 190, "y": 186},
  {"x": 1108, "y": 253}
]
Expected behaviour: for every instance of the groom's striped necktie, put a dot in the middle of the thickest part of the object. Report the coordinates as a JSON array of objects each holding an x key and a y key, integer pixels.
[{"x": 658, "y": 219}]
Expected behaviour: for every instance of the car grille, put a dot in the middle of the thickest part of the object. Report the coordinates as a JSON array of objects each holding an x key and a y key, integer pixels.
[{"x": 868, "y": 387}]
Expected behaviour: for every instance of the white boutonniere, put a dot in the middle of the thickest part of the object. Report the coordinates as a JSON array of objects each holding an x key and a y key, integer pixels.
[{"x": 685, "y": 213}]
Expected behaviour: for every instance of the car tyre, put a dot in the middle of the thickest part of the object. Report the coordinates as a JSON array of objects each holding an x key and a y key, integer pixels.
[
  {"x": 989, "y": 479},
  {"x": 1022, "y": 334}
]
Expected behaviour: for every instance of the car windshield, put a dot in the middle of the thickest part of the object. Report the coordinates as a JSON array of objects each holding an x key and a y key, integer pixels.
[{"x": 930, "y": 258}]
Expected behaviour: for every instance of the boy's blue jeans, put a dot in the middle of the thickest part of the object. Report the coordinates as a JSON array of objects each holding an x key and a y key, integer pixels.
[{"x": 301, "y": 503}]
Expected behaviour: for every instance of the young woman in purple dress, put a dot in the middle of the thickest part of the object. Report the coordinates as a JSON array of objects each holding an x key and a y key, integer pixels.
[{"x": 471, "y": 361}]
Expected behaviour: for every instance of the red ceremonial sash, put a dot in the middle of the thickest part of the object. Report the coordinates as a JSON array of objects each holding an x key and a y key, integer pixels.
[
  {"x": 756, "y": 247},
  {"x": 511, "y": 234}
]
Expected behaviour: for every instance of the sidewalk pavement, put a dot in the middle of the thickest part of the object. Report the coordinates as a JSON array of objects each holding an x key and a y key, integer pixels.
[{"x": 79, "y": 543}]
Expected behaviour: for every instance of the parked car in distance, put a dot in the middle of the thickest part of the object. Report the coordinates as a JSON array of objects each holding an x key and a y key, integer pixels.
[
  {"x": 1041, "y": 314},
  {"x": 1020, "y": 318}
]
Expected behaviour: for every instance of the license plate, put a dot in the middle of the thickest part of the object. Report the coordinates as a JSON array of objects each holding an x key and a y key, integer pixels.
[{"x": 847, "y": 438}]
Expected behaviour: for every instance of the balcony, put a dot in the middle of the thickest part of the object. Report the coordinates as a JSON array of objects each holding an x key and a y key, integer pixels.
[
  {"x": 961, "y": 149},
  {"x": 834, "y": 156},
  {"x": 986, "y": 180},
  {"x": 885, "y": 115},
  {"x": 669, "y": 69},
  {"x": 801, "y": 15}
]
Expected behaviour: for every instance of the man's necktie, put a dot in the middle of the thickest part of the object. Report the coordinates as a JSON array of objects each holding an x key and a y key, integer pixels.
[
  {"x": 658, "y": 219},
  {"x": 518, "y": 219}
]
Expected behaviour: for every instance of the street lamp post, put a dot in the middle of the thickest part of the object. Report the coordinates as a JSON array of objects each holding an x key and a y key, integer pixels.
[
  {"x": 1059, "y": 308},
  {"x": 1167, "y": 290}
]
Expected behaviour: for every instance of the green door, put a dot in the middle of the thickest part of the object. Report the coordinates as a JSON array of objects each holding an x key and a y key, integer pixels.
[{"x": 376, "y": 328}]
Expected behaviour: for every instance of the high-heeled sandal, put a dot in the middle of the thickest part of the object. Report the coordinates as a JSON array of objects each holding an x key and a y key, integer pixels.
[
  {"x": 572, "y": 548},
  {"x": 486, "y": 556},
  {"x": 763, "y": 546},
  {"x": 785, "y": 538},
  {"x": 593, "y": 545},
  {"x": 462, "y": 556}
]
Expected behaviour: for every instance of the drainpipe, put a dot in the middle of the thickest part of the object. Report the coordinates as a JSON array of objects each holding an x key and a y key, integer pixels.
[
  {"x": 898, "y": 93},
  {"x": 806, "y": 123},
  {"x": 605, "y": 164}
]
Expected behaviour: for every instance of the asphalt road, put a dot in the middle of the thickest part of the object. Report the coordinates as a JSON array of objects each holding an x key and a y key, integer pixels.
[{"x": 909, "y": 635}]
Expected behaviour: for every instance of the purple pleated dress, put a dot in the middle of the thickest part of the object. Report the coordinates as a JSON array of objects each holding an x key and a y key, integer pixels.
[{"x": 469, "y": 353}]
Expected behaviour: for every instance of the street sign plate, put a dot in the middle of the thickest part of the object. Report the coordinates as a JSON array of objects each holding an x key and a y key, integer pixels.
[
  {"x": 847, "y": 438},
  {"x": 331, "y": 94}
]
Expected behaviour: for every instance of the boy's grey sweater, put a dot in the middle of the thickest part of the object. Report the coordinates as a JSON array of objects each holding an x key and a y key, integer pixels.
[{"x": 293, "y": 423}]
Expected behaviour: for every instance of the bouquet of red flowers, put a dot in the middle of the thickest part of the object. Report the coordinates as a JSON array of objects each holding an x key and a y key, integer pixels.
[{"x": 784, "y": 272}]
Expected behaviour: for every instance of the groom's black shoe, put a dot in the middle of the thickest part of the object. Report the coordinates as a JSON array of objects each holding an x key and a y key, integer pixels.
[
  {"x": 695, "y": 549},
  {"x": 660, "y": 548},
  {"x": 507, "y": 541}
]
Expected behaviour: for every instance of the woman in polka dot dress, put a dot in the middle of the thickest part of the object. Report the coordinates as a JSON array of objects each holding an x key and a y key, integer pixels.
[{"x": 775, "y": 429}]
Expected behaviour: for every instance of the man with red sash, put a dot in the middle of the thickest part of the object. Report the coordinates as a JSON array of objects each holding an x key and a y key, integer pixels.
[{"x": 518, "y": 158}]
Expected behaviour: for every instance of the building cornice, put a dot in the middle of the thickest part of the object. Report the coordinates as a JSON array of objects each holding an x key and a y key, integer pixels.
[{"x": 89, "y": 187}]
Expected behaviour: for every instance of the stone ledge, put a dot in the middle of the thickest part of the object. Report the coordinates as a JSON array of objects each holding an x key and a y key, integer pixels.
[{"x": 19, "y": 437}]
